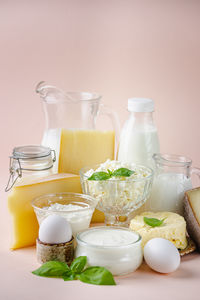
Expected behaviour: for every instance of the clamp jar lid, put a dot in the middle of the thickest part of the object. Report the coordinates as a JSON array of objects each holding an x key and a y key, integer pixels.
[
  {"x": 30, "y": 152},
  {"x": 26, "y": 160}
]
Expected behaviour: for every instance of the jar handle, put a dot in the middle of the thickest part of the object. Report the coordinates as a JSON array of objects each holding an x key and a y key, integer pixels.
[
  {"x": 196, "y": 171},
  {"x": 112, "y": 115}
]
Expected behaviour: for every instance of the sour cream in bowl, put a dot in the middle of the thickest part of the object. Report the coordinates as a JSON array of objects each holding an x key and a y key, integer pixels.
[{"x": 116, "y": 248}]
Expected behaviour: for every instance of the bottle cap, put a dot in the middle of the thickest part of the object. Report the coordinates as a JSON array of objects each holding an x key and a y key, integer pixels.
[{"x": 140, "y": 105}]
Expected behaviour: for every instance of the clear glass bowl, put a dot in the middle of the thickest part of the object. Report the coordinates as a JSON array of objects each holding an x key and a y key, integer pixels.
[
  {"x": 103, "y": 248},
  {"x": 78, "y": 218},
  {"x": 117, "y": 198}
]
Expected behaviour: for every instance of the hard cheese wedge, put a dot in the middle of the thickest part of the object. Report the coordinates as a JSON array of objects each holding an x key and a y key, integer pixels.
[
  {"x": 192, "y": 214},
  {"x": 25, "y": 225},
  {"x": 82, "y": 148}
]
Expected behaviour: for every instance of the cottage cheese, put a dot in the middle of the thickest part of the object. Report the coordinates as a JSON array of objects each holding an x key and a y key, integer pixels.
[
  {"x": 119, "y": 193},
  {"x": 63, "y": 207}
]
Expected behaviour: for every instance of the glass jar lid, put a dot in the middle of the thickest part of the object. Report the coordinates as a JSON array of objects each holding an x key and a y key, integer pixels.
[{"x": 31, "y": 152}]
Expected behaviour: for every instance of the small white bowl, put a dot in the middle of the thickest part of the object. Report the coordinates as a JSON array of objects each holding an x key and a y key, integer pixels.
[
  {"x": 78, "y": 218},
  {"x": 116, "y": 248}
]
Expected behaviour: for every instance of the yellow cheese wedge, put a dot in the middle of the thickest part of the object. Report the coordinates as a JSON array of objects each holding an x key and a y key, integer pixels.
[
  {"x": 82, "y": 148},
  {"x": 25, "y": 225}
]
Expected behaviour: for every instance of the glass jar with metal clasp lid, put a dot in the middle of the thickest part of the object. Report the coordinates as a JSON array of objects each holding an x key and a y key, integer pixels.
[{"x": 28, "y": 163}]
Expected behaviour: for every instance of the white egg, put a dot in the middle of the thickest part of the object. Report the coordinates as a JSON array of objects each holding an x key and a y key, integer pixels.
[
  {"x": 161, "y": 255},
  {"x": 55, "y": 230}
]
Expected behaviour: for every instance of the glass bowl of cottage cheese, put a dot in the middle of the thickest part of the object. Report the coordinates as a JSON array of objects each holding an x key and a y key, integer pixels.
[
  {"x": 119, "y": 188},
  {"x": 76, "y": 208}
]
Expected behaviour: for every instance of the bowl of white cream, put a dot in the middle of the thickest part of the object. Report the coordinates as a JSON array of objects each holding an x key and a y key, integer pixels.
[
  {"x": 76, "y": 208},
  {"x": 116, "y": 248}
]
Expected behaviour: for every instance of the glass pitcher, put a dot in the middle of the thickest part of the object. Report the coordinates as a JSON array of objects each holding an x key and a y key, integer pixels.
[
  {"x": 172, "y": 178},
  {"x": 71, "y": 128}
]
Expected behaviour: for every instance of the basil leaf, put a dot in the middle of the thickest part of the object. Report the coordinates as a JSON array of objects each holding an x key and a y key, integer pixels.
[
  {"x": 123, "y": 172},
  {"x": 110, "y": 172},
  {"x": 97, "y": 275},
  {"x": 99, "y": 176},
  {"x": 153, "y": 222},
  {"x": 78, "y": 264},
  {"x": 69, "y": 276},
  {"x": 52, "y": 269}
]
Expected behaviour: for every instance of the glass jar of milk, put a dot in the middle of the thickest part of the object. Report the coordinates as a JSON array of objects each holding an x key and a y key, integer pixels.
[
  {"x": 171, "y": 179},
  {"x": 139, "y": 138}
]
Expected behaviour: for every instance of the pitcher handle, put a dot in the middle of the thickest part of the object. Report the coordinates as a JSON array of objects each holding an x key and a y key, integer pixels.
[{"x": 105, "y": 110}]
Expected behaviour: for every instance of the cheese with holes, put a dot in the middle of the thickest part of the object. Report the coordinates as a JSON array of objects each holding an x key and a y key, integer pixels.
[
  {"x": 25, "y": 225},
  {"x": 82, "y": 148},
  {"x": 191, "y": 206},
  {"x": 172, "y": 229}
]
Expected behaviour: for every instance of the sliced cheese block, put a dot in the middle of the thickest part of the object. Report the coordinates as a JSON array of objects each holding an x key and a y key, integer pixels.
[
  {"x": 191, "y": 206},
  {"x": 25, "y": 225},
  {"x": 82, "y": 148},
  {"x": 172, "y": 229}
]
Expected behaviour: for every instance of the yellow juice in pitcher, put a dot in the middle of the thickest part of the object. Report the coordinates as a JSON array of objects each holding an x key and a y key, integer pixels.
[{"x": 81, "y": 148}]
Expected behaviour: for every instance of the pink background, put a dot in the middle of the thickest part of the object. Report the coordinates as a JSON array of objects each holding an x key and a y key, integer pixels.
[{"x": 119, "y": 49}]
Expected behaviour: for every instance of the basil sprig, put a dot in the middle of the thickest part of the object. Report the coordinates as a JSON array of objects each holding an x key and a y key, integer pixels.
[
  {"x": 153, "y": 222},
  {"x": 92, "y": 275},
  {"x": 121, "y": 172}
]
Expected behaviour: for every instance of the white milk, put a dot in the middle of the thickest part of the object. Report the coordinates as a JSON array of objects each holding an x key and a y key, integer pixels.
[
  {"x": 138, "y": 146},
  {"x": 167, "y": 193},
  {"x": 139, "y": 137},
  {"x": 117, "y": 249},
  {"x": 51, "y": 139}
]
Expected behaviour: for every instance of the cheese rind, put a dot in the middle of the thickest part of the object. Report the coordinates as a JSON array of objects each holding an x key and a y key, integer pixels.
[
  {"x": 25, "y": 225},
  {"x": 191, "y": 206},
  {"x": 172, "y": 229}
]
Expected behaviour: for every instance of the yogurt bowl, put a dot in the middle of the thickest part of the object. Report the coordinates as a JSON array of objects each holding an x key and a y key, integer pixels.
[
  {"x": 76, "y": 208},
  {"x": 116, "y": 248}
]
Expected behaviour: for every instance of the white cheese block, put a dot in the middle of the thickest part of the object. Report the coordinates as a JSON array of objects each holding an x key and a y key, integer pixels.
[{"x": 172, "y": 229}]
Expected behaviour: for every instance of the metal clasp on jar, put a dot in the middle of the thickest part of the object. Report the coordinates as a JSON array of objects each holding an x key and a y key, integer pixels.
[{"x": 17, "y": 160}]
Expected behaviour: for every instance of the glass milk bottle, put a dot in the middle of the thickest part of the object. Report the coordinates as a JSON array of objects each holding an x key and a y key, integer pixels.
[{"x": 139, "y": 138}]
